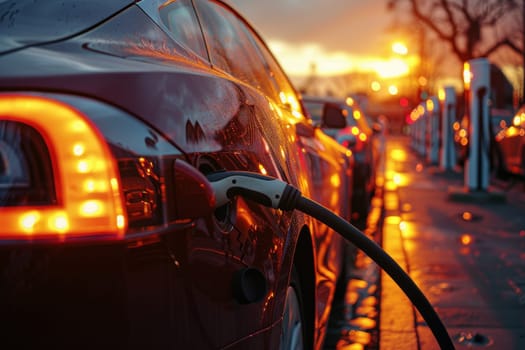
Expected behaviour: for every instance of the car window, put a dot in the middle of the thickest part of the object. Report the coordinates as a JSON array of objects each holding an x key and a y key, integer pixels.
[
  {"x": 285, "y": 92},
  {"x": 501, "y": 121},
  {"x": 269, "y": 85},
  {"x": 237, "y": 49},
  {"x": 351, "y": 119},
  {"x": 519, "y": 118},
  {"x": 231, "y": 48},
  {"x": 181, "y": 21},
  {"x": 315, "y": 109}
]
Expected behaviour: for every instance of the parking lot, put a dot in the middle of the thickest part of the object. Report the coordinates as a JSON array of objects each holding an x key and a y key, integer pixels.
[
  {"x": 167, "y": 181},
  {"x": 465, "y": 253}
]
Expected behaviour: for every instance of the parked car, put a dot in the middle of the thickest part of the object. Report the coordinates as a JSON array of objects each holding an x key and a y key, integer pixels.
[
  {"x": 354, "y": 131},
  {"x": 112, "y": 113},
  {"x": 500, "y": 119},
  {"x": 510, "y": 140}
]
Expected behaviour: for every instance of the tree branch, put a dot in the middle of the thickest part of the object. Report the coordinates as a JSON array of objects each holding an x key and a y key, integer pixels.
[
  {"x": 505, "y": 42},
  {"x": 416, "y": 11},
  {"x": 450, "y": 17}
]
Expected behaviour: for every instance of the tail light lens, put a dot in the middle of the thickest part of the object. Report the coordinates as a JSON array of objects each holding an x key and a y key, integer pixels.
[
  {"x": 26, "y": 172},
  {"x": 73, "y": 168},
  {"x": 57, "y": 175},
  {"x": 353, "y": 138}
]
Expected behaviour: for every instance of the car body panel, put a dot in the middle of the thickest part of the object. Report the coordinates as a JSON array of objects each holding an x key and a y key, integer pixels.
[
  {"x": 364, "y": 150},
  {"x": 170, "y": 284},
  {"x": 19, "y": 20},
  {"x": 511, "y": 143}
]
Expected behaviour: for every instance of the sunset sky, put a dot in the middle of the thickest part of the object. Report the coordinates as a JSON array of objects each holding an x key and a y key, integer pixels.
[
  {"x": 337, "y": 35},
  {"x": 349, "y": 36}
]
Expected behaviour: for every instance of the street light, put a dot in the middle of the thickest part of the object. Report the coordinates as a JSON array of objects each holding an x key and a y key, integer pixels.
[
  {"x": 399, "y": 48},
  {"x": 467, "y": 75},
  {"x": 393, "y": 90}
]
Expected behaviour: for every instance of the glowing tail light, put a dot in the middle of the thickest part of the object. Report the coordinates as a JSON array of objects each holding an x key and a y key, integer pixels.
[{"x": 87, "y": 198}]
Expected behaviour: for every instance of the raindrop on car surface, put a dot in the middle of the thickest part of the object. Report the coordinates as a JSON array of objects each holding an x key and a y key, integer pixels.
[
  {"x": 469, "y": 216},
  {"x": 466, "y": 239},
  {"x": 442, "y": 288}
]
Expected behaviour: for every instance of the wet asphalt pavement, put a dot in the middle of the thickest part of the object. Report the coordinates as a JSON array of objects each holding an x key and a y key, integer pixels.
[{"x": 465, "y": 251}]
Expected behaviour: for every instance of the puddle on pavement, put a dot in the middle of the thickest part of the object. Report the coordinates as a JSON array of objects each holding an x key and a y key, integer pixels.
[
  {"x": 406, "y": 207},
  {"x": 363, "y": 323},
  {"x": 359, "y": 337},
  {"x": 469, "y": 216},
  {"x": 441, "y": 271},
  {"x": 354, "y": 340},
  {"x": 472, "y": 339},
  {"x": 366, "y": 311},
  {"x": 466, "y": 239},
  {"x": 442, "y": 288}
]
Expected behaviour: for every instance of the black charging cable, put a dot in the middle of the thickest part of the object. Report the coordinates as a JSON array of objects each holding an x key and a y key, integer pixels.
[{"x": 278, "y": 194}]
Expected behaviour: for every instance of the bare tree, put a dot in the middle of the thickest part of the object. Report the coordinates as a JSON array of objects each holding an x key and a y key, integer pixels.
[
  {"x": 428, "y": 68},
  {"x": 471, "y": 28}
]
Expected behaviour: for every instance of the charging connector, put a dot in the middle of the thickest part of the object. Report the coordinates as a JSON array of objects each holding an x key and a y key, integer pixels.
[
  {"x": 274, "y": 193},
  {"x": 265, "y": 190}
]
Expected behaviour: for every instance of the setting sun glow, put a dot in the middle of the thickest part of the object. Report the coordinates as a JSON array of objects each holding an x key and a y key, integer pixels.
[
  {"x": 399, "y": 48},
  {"x": 390, "y": 68},
  {"x": 304, "y": 60}
]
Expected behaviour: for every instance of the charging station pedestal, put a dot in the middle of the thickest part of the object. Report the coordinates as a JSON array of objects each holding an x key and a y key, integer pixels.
[
  {"x": 477, "y": 165},
  {"x": 422, "y": 130},
  {"x": 447, "y": 159},
  {"x": 432, "y": 115},
  {"x": 417, "y": 130}
]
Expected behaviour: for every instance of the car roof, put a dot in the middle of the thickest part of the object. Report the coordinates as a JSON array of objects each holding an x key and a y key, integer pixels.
[
  {"x": 323, "y": 99},
  {"x": 66, "y": 18}
]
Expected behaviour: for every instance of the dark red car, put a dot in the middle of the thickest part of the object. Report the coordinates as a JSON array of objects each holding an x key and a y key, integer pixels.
[
  {"x": 112, "y": 113},
  {"x": 510, "y": 140},
  {"x": 356, "y": 133}
]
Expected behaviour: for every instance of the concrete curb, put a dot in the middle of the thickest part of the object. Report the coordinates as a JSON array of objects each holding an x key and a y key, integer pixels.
[{"x": 397, "y": 324}]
